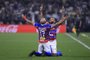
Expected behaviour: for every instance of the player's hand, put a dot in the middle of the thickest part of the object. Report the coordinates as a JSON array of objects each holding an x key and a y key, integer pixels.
[
  {"x": 27, "y": 20},
  {"x": 41, "y": 7},
  {"x": 65, "y": 17},
  {"x": 24, "y": 17}
]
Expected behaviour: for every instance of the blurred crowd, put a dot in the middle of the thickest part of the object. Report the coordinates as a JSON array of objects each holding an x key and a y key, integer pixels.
[{"x": 11, "y": 10}]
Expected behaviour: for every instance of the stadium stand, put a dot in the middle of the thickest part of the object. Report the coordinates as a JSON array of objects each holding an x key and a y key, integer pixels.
[{"x": 11, "y": 11}]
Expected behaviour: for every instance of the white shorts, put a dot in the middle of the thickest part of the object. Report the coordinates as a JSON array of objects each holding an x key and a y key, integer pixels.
[
  {"x": 53, "y": 46},
  {"x": 46, "y": 47},
  {"x": 50, "y": 46}
]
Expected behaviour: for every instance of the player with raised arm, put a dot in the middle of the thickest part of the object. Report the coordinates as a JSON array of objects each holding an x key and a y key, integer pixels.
[
  {"x": 53, "y": 33},
  {"x": 52, "y": 36},
  {"x": 43, "y": 30}
]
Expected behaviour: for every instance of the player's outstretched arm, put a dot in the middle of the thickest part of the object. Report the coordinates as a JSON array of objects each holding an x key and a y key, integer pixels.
[
  {"x": 24, "y": 17},
  {"x": 61, "y": 21},
  {"x": 41, "y": 11}
]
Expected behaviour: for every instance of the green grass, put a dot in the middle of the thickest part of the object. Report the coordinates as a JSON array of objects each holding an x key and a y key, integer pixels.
[{"x": 18, "y": 46}]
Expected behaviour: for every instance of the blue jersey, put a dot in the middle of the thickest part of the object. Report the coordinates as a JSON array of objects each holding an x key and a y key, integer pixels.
[
  {"x": 52, "y": 33},
  {"x": 43, "y": 30}
]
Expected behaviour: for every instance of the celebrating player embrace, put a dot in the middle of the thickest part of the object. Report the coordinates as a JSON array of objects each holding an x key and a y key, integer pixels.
[{"x": 47, "y": 36}]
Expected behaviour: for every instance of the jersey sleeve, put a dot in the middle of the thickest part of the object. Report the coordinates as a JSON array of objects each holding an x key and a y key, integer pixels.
[{"x": 36, "y": 25}]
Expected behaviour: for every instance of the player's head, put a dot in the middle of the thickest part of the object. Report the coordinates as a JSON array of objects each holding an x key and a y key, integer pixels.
[
  {"x": 43, "y": 21},
  {"x": 52, "y": 20}
]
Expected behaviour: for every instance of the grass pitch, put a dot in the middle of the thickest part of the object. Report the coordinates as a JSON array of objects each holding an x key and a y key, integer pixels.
[{"x": 17, "y": 46}]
